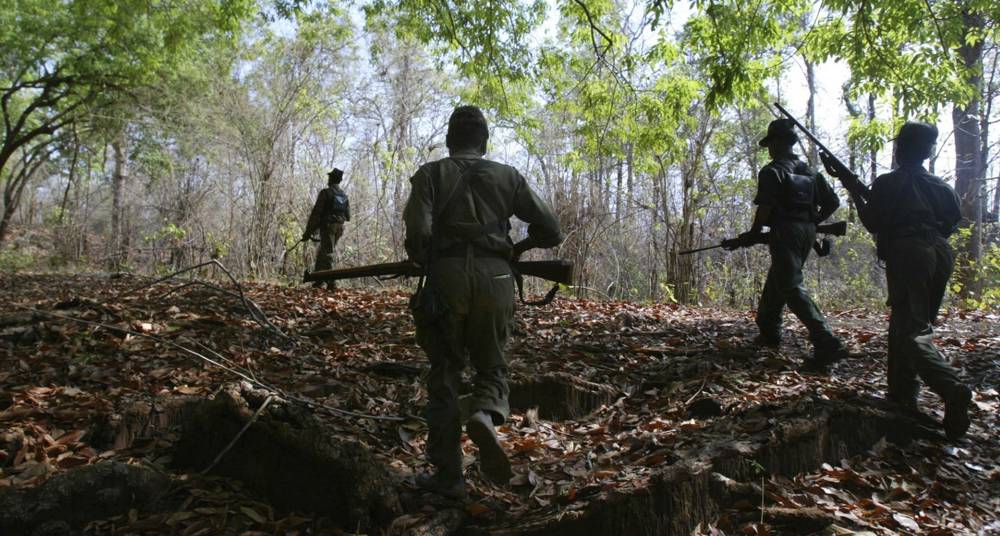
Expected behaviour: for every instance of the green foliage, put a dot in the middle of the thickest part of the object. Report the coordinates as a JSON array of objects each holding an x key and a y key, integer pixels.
[
  {"x": 170, "y": 231},
  {"x": 739, "y": 44},
  {"x": 985, "y": 274},
  {"x": 488, "y": 38},
  {"x": 17, "y": 260},
  {"x": 908, "y": 48},
  {"x": 988, "y": 270}
]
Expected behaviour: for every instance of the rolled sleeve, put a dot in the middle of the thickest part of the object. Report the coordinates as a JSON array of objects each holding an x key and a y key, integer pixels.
[
  {"x": 829, "y": 202},
  {"x": 543, "y": 226},
  {"x": 417, "y": 216},
  {"x": 768, "y": 187}
]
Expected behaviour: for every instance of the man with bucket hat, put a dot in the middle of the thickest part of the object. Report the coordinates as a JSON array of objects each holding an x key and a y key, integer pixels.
[
  {"x": 457, "y": 227},
  {"x": 331, "y": 210},
  {"x": 791, "y": 199},
  {"x": 912, "y": 213}
]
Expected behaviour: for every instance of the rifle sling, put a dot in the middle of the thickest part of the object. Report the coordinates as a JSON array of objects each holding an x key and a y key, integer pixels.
[{"x": 549, "y": 296}]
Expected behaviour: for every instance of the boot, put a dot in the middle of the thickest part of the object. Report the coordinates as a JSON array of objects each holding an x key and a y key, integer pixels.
[
  {"x": 450, "y": 487},
  {"x": 824, "y": 356},
  {"x": 766, "y": 341},
  {"x": 905, "y": 402},
  {"x": 492, "y": 458},
  {"x": 956, "y": 412}
]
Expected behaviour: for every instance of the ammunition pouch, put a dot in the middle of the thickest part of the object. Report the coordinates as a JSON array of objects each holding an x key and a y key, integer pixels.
[{"x": 427, "y": 306}]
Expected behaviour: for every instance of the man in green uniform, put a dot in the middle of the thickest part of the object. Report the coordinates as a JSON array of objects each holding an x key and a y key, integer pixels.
[
  {"x": 331, "y": 210},
  {"x": 912, "y": 213},
  {"x": 791, "y": 199},
  {"x": 457, "y": 223}
]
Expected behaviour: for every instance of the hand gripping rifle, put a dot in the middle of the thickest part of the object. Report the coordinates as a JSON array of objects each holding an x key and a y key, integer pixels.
[
  {"x": 557, "y": 271},
  {"x": 822, "y": 247},
  {"x": 847, "y": 177}
]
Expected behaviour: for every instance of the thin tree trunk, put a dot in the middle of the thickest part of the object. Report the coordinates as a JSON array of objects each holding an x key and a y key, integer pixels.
[
  {"x": 813, "y": 155},
  {"x": 70, "y": 179},
  {"x": 118, "y": 178},
  {"x": 872, "y": 154},
  {"x": 968, "y": 156}
]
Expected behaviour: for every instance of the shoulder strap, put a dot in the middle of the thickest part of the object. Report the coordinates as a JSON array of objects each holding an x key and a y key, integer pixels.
[
  {"x": 436, "y": 210},
  {"x": 501, "y": 225},
  {"x": 461, "y": 185}
]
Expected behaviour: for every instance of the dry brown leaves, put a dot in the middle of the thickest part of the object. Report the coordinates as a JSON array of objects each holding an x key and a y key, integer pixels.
[{"x": 354, "y": 350}]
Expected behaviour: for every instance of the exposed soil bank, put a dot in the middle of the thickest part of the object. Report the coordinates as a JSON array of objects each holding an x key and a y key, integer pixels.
[{"x": 783, "y": 440}]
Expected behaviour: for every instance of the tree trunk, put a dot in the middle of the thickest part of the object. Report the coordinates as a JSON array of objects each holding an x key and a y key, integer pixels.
[
  {"x": 813, "y": 155},
  {"x": 116, "y": 259},
  {"x": 872, "y": 153},
  {"x": 989, "y": 89},
  {"x": 17, "y": 179},
  {"x": 968, "y": 157}
]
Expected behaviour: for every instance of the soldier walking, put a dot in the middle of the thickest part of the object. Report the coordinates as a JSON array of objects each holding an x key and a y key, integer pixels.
[
  {"x": 331, "y": 210},
  {"x": 791, "y": 199},
  {"x": 912, "y": 213},
  {"x": 457, "y": 225}
]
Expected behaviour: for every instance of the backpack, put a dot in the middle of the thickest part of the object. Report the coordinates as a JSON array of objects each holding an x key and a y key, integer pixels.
[
  {"x": 336, "y": 205},
  {"x": 798, "y": 193}
]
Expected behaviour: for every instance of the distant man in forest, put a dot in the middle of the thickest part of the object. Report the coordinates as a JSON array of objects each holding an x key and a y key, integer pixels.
[
  {"x": 912, "y": 213},
  {"x": 457, "y": 225},
  {"x": 791, "y": 199},
  {"x": 331, "y": 210}
]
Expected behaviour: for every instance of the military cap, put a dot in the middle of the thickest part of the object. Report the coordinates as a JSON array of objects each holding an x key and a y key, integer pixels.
[
  {"x": 780, "y": 131},
  {"x": 917, "y": 133}
]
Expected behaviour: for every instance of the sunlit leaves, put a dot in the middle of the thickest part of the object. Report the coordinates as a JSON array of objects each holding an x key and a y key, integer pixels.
[{"x": 486, "y": 39}]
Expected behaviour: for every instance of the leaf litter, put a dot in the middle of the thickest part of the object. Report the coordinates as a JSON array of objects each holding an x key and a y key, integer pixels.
[{"x": 354, "y": 352}]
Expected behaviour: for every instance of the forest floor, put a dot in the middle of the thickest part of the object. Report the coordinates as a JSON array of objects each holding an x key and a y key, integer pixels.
[{"x": 627, "y": 418}]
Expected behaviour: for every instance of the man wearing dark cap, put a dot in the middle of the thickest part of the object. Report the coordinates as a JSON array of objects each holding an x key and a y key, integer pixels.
[
  {"x": 457, "y": 224},
  {"x": 791, "y": 199},
  {"x": 912, "y": 213},
  {"x": 331, "y": 210}
]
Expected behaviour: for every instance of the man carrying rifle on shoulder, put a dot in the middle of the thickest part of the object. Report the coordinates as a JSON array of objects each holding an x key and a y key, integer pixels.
[
  {"x": 791, "y": 199},
  {"x": 912, "y": 213},
  {"x": 457, "y": 224}
]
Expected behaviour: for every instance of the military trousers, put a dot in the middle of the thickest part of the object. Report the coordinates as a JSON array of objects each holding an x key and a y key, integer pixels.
[
  {"x": 917, "y": 269},
  {"x": 329, "y": 235},
  {"x": 478, "y": 294},
  {"x": 789, "y": 245}
]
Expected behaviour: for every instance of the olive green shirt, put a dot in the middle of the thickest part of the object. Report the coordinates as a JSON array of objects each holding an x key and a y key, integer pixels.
[
  {"x": 910, "y": 196},
  {"x": 478, "y": 214}
]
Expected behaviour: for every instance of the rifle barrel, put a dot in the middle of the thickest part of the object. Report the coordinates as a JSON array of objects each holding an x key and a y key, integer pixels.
[
  {"x": 803, "y": 129},
  {"x": 690, "y": 251}
]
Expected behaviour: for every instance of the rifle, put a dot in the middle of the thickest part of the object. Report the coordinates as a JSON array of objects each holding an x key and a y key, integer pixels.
[
  {"x": 558, "y": 271},
  {"x": 847, "y": 177},
  {"x": 822, "y": 248}
]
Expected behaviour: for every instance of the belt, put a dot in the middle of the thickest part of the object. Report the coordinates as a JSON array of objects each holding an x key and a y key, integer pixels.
[
  {"x": 911, "y": 231},
  {"x": 461, "y": 250}
]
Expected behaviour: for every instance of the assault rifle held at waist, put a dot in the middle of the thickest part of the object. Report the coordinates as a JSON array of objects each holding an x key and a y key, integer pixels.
[
  {"x": 838, "y": 228},
  {"x": 558, "y": 271}
]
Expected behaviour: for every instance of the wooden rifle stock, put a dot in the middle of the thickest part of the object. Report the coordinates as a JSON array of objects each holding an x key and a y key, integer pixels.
[{"x": 558, "y": 271}]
